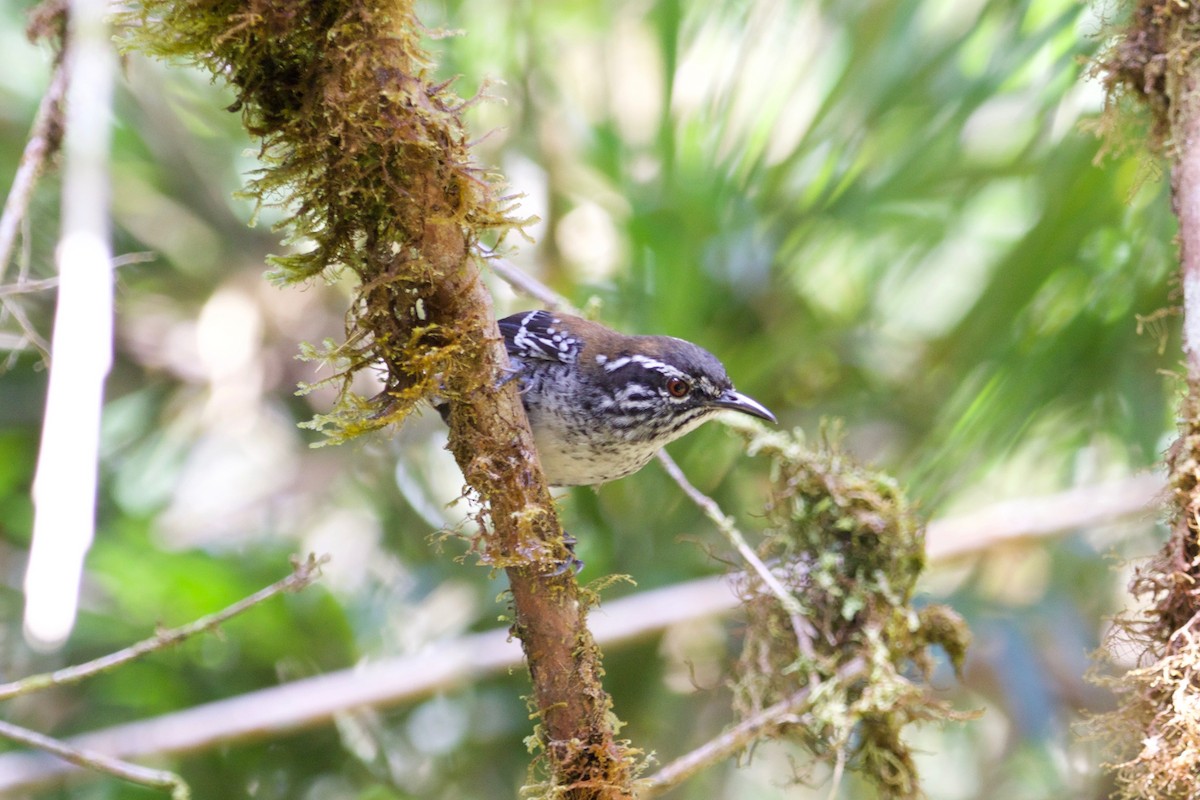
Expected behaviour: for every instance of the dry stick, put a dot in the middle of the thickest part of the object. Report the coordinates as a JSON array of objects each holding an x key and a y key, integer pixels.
[
  {"x": 305, "y": 572},
  {"x": 154, "y": 778},
  {"x": 1030, "y": 517},
  {"x": 737, "y": 738},
  {"x": 29, "y": 287},
  {"x": 522, "y": 281},
  {"x": 39, "y": 146},
  {"x": 315, "y": 701},
  {"x": 29, "y": 168},
  {"x": 724, "y": 523}
]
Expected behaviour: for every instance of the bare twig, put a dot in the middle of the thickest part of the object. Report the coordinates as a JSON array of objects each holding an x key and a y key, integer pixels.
[
  {"x": 28, "y": 332},
  {"x": 517, "y": 278},
  {"x": 304, "y": 573},
  {"x": 43, "y": 140},
  {"x": 725, "y": 525},
  {"x": 29, "y": 287},
  {"x": 736, "y": 739},
  {"x": 154, "y": 778}
]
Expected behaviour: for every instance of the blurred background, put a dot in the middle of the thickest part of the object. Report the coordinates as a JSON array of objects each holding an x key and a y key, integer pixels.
[{"x": 885, "y": 212}]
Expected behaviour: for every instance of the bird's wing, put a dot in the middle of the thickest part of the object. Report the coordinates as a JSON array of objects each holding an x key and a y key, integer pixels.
[{"x": 541, "y": 335}]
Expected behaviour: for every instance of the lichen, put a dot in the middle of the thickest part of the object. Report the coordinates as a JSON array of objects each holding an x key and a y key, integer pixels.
[{"x": 848, "y": 545}]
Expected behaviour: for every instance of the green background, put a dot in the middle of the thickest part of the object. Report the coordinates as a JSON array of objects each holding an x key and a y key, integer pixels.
[{"x": 887, "y": 212}]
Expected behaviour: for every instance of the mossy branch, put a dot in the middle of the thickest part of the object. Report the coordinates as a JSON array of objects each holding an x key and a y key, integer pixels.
[
  {"x": 369, "y": 158},
  {"x": 1154, "y": 736}
]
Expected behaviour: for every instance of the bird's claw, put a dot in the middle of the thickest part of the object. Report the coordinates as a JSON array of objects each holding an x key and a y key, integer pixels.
[{"x": 571, "y": 562}]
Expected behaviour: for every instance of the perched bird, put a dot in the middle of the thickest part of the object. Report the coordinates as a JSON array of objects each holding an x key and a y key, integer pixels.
[{"x": 601, "y": 403}]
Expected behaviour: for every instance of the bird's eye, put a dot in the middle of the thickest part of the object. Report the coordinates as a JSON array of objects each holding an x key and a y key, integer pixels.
[{"x": 678, "y": 387}]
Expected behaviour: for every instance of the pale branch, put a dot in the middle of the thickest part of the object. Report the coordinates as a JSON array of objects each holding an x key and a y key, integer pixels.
[
  {"x": 134, "y": 773},
  {"x": 303, "y": 574},
  {"x": 1033, "y": 517},
  {"x": 29, "y": 333},
  {"x": 522, "y": 281},
  {"x": 28, "y": 287},
  {"x": 443, "y": 666},
  {"x": 315, "y": 701}
]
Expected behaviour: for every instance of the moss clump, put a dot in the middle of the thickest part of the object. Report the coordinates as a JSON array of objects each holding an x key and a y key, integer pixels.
[
  {"x": 1145, "y": 67},
  {"x": 369, "y": 158},
  {"x": 848, "y": 546},
  {"x": 1155, "y": 733}
]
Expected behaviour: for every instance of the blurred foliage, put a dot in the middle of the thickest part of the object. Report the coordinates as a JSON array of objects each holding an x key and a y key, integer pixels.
[{"x": 881, "y": 210}]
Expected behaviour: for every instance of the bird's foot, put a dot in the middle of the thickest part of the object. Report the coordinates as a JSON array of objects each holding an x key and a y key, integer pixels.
[{"x": 571, "y": 562}]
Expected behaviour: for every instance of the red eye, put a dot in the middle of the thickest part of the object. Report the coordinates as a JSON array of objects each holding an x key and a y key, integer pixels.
[{"x": 678, "y": 387}]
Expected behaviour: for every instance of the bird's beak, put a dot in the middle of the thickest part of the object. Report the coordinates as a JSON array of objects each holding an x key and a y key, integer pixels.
[{"x": 747, "y": 405}]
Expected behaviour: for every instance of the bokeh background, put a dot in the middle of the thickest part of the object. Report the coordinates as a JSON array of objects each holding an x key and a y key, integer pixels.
[{"x": 889, "y": 213}]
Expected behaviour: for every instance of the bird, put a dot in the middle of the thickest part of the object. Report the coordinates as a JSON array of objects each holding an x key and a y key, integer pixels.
[{"x": 601, "y": 403}]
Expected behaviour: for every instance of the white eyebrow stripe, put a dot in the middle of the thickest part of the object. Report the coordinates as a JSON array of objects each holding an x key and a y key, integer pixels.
[{"x": 649, "y": 363}]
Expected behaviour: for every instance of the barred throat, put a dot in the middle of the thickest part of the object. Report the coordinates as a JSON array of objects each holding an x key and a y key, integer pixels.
[
  {"x": 605, "y": 442},
  {"x": 642, "y": 424}
]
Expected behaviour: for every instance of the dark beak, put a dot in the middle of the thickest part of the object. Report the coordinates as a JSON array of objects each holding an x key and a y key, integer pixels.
[{"x": 747, "y": 405}]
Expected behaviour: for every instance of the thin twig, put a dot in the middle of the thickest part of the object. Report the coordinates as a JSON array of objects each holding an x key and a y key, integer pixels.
[
  {"x": 737, "y": 738},
  {"x": 726, "y": 526},
  {"x": 304, "y": 573},
  {"x": 39, "y": 146},
  {"x": 28, "y": 331},
  {"x": 42, "y": 142},
  {"x": 28, "y": 287},
  {"x": 520, "y": 280},
  {"x": 154, "y": 778}
]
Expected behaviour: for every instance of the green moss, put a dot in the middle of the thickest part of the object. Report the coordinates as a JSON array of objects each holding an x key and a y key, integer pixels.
[
  {"x": 1154, "y": 735},
  {"x": 849, "y": 547},
  {"x": 1144, "y": 68},
  {"x": 367, "y": 156}
]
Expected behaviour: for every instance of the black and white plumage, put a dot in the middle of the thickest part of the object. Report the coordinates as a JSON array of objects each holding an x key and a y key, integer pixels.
[{"x": 601, "y": 403}]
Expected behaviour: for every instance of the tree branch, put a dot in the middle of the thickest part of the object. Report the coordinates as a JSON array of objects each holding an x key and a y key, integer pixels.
[
  {"x": 154, "y": 778},
  {"x": 735, "y": 739},
  {"x": 44, "y": 138},
  {"x": 303, "y": 574}
]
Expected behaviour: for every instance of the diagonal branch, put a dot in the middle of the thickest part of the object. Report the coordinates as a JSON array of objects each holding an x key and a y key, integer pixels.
[
  {"x": 44, "y": 139},
  {"x": 733, "y": 741},
  {"x": 303, "y": 574},
  {"x": 88, "y": 759}
]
